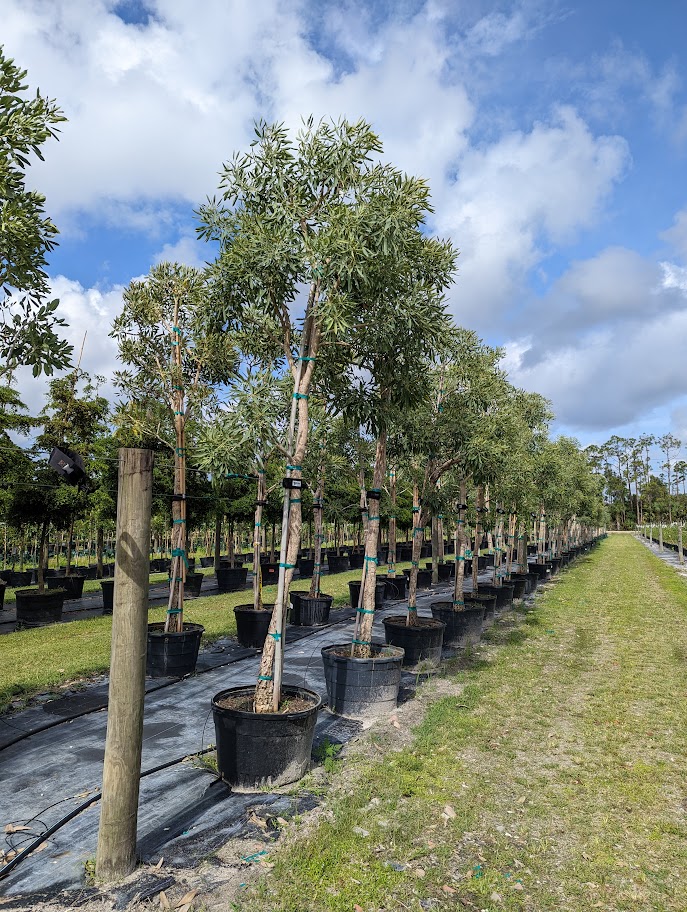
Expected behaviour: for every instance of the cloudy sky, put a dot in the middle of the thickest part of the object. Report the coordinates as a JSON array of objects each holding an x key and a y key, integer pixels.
[{"x": 554, "y": 137}]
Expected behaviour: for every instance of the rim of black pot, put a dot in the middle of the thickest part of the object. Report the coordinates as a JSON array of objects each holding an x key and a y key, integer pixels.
[
  {"x": 322, "y": 595},
  {"x": 294, "y": 689},
  {"x": 399, "y": 652},
  {"x": 157, "y": 629},
  {"x": 45, "y": 592},
  {"x": 399, "y": 620},
  {"x": 248, "y": 606}
]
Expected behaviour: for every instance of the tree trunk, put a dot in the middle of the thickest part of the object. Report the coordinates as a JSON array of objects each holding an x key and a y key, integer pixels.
[
  {"x": 391, "y": 559},
  {"x": 479, "y": 507},
  {"x": 459, "y": 547},
  {"x": 435, "y": 549},
  {"x": 419, "y": 520},
  {"x": 318, "y": 510},
  {"x": 260, "y": 503},
  {"x": 362, "y": 638},
  {"x": 42, "y": 555},
  {"x": 218, "y": 541}
]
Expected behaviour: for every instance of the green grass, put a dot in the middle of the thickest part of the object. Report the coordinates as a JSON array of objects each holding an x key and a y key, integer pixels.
[
  {"x": 41, "y": 659},
  {"x": 562, "y": 755}
]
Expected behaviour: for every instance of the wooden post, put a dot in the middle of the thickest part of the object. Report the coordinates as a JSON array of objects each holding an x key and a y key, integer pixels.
[
  {"x": 680, "y": 552},
  {"x": 116, "y": 854}
]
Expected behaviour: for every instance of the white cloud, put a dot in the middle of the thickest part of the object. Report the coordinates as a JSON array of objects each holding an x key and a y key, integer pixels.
[
  {"x": 88, "y": 311},
  {"x": 676, "y": 235}
]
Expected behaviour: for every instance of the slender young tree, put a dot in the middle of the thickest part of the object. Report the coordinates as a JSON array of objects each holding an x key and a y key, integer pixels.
[{"x": 174, "y": 362}]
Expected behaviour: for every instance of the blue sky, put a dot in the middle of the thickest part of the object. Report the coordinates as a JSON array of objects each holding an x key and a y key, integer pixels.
[{"x": 554, "y": 137}]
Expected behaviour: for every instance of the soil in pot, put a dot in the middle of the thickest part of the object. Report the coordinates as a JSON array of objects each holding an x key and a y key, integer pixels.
[
  {"x": 354, "y": 592},
  {"x": 311, "y": 611},
  {"x": 36, "y": 609},
  {"x": 108, "y": 595},
  {"x": 421, "y": 643},
  {"x": 192, "y": 585},
  {"x": 362, "y": 688},
  {"x": 264, "y": 750},
  {"x": 252, "y": 625},
  {"x": 71, "y": 585},
  {"x": 231, "y": 579},
  {"x": 463, "y": 628},
  {"x": 172, "y": 654}
]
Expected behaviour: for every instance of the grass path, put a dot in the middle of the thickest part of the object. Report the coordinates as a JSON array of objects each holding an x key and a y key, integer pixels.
[{"x": 550, "y": 775}]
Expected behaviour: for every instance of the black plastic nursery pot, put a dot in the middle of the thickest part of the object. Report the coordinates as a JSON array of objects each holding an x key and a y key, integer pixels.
[
  {"x": 354, "y": 592},
  {"x": 362, "y": 688},
  {"x": 231, "y": 579},
  {"x": 3, "y": 586},
  {"x": 526, "y": 579},
  {"x": 395, "y": 588},
  {"x": 36, "y": 609},
  {"x": 356, "y": 561},
  {"x": 337, "y": 564},
  {"x": 263, "y": 750},
  {"x": 107, "y": 585},
  {"x": 20, "y": 578},
  {"x": 489, "y": 607},
  {"x": 172, "y": 655},
  {"x": 542, "y": 570},
  {"x": 556, "y": 565},
  {"x": 424, "y": 578},
  {"x": 306, "y": 566},
  {"x": 520, "y": 586},
  {"x": 310, "y": 611},
  {"x": 463, "y": 628},
  {"x": 503, "y": 593},
  {"x": 252, "y": 625},
  {"x": 55, "y": 573},
  {"x": 382, "y": 555},
  {"x": 192, "y": 585},
  {"x": 445, "y": 570},
  {"x": 6, "y": 575},
  {"x": 71, "y": 585},
  {"x": 206, "y": 562},
  {"x": 270, "y": 572},
  {"x": 421, "y": 643}
]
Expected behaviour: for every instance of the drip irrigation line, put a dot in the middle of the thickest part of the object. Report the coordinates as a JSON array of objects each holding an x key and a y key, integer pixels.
[{"x": 12, "y": 863}]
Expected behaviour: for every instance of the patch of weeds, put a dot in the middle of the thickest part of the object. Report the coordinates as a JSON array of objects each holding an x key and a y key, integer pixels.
[
  {"x": 89, "y": 871},
  {"x": 327, "y": 753},
  {"x": 207, "y": 762}
]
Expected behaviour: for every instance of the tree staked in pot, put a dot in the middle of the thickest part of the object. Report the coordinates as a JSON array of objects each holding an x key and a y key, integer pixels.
[{"x": 173, "y": 356}]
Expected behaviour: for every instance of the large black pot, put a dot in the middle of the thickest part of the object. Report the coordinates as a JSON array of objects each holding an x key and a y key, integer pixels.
[
  {"x": 337, "y": 564},
  {"x": 424, "y": 578},
  {"x": 542, "y": 570},
  {"x": 463, "y": 628},
  {"x": 252, "y": 625},
  {"x": 556, "y": 564},
  {"x": 354, "y": 592},
  {"x": 395, "y": 588},
  {"x": 356, "y": 560},
  {"x": 71, "y": 585},
  {"x": 20, "y": 578},
  {"x": 6, "y": 575},
  {"x": 48, "y": 574},
  {"x": 306, "y": 567},
  {"x": 503, "y": 593},
  {"x": 206, "y": 562},
  {"x": 231, "y": 579},
  {"x": 489, "y": 606},
  {"x": 520, "y": 586},
  {"x": 404, "y": 552},
  {"x": 362, "y": 688},
  {"x": 445, "y": 570},
  {"x": 425, "y": 550},
  {"x": 107, "y": 585},
  {"x": 310, "y": 611},
  {"x": 263, "y": 750},
  {"x": 523, "y": 578},
  {"x": 192, "y": 585},
  {"x": 3, "y": 586},
  {"x": 270, "y": 572},
  {"x": 172, "y": 654},
  {"x": 36, "y": 609},
  {"x": 421, "y": 644},
  {"x": 382, "y": 554}
]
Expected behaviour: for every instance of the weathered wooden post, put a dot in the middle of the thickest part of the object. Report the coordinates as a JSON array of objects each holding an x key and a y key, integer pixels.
[
  {"x": 680, "y": 552},
  {"x": 116, "y": 854}
]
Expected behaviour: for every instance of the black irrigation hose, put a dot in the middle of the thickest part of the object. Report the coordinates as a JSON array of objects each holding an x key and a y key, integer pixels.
[{"x": 6, "y": 869}]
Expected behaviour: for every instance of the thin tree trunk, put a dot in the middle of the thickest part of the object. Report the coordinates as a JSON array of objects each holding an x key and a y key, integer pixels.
[
  {"x": 479, "y": 507},
  {"x": 418, "y": 528},
  {"x": 257, "y": 526},
  {"x": 459, "y": 547},
  {"x": 391, "y": 560}
]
